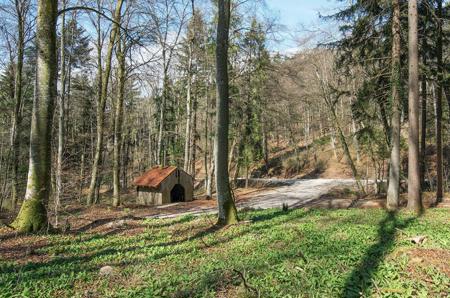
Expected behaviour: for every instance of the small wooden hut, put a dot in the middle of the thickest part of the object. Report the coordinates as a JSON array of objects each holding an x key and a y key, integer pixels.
[{"x": 164, "y": 185}]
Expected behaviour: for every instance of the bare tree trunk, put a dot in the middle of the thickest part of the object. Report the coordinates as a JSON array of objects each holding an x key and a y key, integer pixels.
[
  {"x": 393, "y": 192},
  {"x": 307, "y": 125},
  {"x": 125, "y": 149},
  {"x": 210, "y": 178},
  {"x": 207, "y": 152},
  {"x": 61, "y": 116},
  {"x": 100, "y": 42},
  {"x": 333, "y": 142},
  {"x": 17, "y": 116},
  {"x": 193, "y": 143},
  {"x": 32, "y": 216},
  {"x": 188, "y": 135},
  {"x": 232, "y": 154},
  {"x": 355, "y": 141},
  {"x": 4, "y": 165},
  {"x": 414, "y": 189},
  {"x": 151, "y": 155},
  {"x": 118, "y": 122},
  {"x": 227, "y": 208},
  {"x": 446, "y": 88},
  {"x": 237, "y": 168},
  {"x": 68, "y": 89},
  {"x": 160, "y": 146},
  {"x": 102, "y": 104},
  {"x": 82, "y": 163},
  {"x": 348, "y": 154},
  {"x": 423, "y": 138},
  {"x": 440, "y": 77},
  {"x": 265, "y": 146},
  {"x": 321, "y": 133},
  {"x": 193, "y": 151}
]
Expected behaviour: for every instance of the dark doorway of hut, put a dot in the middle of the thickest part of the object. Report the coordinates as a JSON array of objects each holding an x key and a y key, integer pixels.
[{"x": 177, "y": 194}]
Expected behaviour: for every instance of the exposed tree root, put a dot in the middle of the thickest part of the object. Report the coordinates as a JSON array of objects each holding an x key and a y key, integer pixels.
[{"x": 246, "y": 284}]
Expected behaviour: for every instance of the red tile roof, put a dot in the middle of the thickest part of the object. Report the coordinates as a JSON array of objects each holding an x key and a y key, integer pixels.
[{"x": 154, "y": 177}]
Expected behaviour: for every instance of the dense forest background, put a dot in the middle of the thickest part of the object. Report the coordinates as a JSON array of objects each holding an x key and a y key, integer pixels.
[{"x": 137, "y": 88}]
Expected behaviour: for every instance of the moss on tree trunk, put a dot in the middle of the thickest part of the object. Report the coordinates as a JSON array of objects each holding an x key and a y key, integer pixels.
[
  {"x": 230, "y": 212},
  {"x": 33, "y": 213},
  {"x": 32, "y": 217}
]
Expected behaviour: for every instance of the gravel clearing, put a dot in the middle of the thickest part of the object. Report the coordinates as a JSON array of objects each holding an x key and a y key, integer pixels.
[{"x": 294, "y": 193}]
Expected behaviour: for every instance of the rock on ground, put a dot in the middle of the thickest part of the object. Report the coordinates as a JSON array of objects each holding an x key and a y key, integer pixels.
[{"x": 106, "y": 270}]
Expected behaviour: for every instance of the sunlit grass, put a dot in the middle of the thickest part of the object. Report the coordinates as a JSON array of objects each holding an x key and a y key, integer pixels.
[{"x": 298, "y": 253}]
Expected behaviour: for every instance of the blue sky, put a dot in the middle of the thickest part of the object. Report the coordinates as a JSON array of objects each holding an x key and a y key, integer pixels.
[
  {"x": 292, "y": 12},
  {"x": 298, "y": 14}
]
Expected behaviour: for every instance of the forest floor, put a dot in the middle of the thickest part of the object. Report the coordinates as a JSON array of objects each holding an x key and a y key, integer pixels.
[
  {"x": 262, "y": 194},
  {"x": 271, "y": 253},
  {"x": 328, "y": 242}
]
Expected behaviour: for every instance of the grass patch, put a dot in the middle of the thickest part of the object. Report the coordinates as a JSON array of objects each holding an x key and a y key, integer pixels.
[{"x": 296, "y": 253}]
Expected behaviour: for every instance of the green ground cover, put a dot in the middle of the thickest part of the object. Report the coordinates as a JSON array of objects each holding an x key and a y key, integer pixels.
[{"x": 294, "y": 253}]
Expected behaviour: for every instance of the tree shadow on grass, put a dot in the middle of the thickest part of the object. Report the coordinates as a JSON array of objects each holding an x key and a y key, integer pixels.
[
  {"x": 103, "y": 221},
  {"x": 91, "y": 262},
  {"x": 10, "y": 235},
  {"x": 360, "y": 280},
  {"x": 283, "y": 215},
  {"x": 215, "y": 239},
  {"x": 272, "y": 215},
  {"x": 88, "y": 263}
]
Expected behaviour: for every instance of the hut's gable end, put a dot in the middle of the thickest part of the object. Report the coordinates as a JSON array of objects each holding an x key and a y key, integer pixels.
[{"x": 179, "y": 177}]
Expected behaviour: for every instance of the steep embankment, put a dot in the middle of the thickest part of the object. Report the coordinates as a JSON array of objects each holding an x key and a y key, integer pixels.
[{"x": 317, "y": 160}]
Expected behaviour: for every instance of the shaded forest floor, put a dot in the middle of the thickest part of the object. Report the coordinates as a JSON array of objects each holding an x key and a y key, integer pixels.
[{"x": 298, "y": 252}]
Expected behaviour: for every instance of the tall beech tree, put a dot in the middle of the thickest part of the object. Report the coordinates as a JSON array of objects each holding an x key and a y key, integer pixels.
[
  {"x": 32, "y": 216},
  {"x": 100, "y": 40},
  {"x": 118, "y": 117},
  {"x": 101, "y": 104},
  {"x": 227, "y": 208},
  {"x": 21, "y": 8},
  {"x": 424, "y": 117},
  {"x": 190, "y": 58},
  {"x": 414, "y": 187},
  {"x": 439, "y": 94},
  {"x": 61, "y": 116},
  {"x": 393, "y": 192}
]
